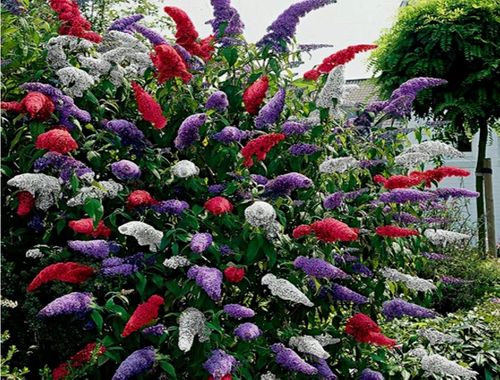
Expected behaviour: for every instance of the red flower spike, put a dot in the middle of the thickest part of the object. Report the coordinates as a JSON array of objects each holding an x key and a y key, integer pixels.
[
  {"x": 343, "y": 56},
  {"x": 302, "y": 230},
  {"x": 225, "y": 377},
  {"x": 438, "y": 174},
  {"x": 395, "y": 232},
  {"x": 26, "y": 203},
  {"x": 330, "y": 230},
  {"x": 169, "y": 64},
  {"x": 234, "y": 274},
  {"x": 143, "y": 314},
  {"x": 36, "y": 104},
  {"x": 364, "y": 330},
  {"x": 148, "y": 107},
  {"x": 187, "y": 36},
  {"x": 77, "y": 360},
  {"x": 56, "y": 140},
  {"x": 218, "y": 206},
  {"x": 72, "y": 22},
  {"x": 260, "y": 147},
  {"x": 312, "y": 74},
  {"x": 69, "y": 272},
  {"x": 255, "y": 94},
  {"x": 140, "y": 198},
  {"x": 86, "y": 226},
  {"x": 398, "y": 181}
]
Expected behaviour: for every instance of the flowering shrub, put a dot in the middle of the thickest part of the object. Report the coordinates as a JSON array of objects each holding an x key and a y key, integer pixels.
[{"x": 184, "y": 207}]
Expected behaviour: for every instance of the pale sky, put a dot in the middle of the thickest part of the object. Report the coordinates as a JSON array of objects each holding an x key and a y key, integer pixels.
[{"x": 345, "y": 23}]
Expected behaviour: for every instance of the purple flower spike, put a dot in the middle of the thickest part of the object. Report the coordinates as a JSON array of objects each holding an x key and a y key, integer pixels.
[
  {"x": 286, "y": 183},
  {"x": 151, "y": 35},
  {"x": 406, "y": 195},
  {"x": 75, "y": 303},
  {"x": 398, "y": 308},
  {"x": 229, "y": 135},
  {"x": 125, "y": 24},
  {"x": 217, "y": 101},
  {"x": 209, "y": 279},
  {"x": 343, "y": 294},
  {"x": 156, "y": 330},
  {"x": 324, "y": 370},
  {"x": 66, "y": 166},
  {"x": 283, "y": 29},
  {"x": 289, "y": 359},
  {"x": 200, "y": 242},
  {"x": 334, "y": 200},
  {"x": 446, "y": 193},
  {"x": 247, "y": 331},
  {"x": 238, "y": 311},
  {"x": 369, "y": 374},
  {"x": 362, "y": 269},
  {"x": 227, "y": 17},
  {"x": 290, "y": 128},
  {"x": 216, "y": 189},
  {"x": 270, "y": 113},
  {"x": 136, "y": 363},
  {"x": 319, "y": 268},
  {"x": 171, "y": 206},
  {"x": 220, "y": 364},
  {"x": 129, "y": 134},
  {"x": 435, "y": 256},
  {"x": 188, "y": 132},
  {"x": 98, "y": 249},
  {"x": 259, "y": 179},
  {"x": 302, "y": 149},
  {"x": 125, "y": 170}
]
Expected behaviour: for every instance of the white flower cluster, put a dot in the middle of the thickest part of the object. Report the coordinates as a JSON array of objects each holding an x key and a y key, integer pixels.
[
  {"x": 347, "y": 89},
  {"x": 260, "y": 214},
  {"x": 337, "y": 165},
  {"x": 144, "y": 234},
  {"x": 185, "y": 169},
  {"x": 75, "y": 81},
  {"x": 443, "y": 238},
  {"x": 4, "y": 302},
  {"x": 333, "y": 88},
  {"x": 412, "y": 282},
  {"x": 99, "y": 190},
  {"x": 435, "y": 149},
  {"x": 57, "y": 47},
  {"x": 268, "y": 376},
  {"x": 436, "y": 364},
  {"x": 309, "y": 345},
  {"x": 34, "y": 253},
  {"x": 326, "y": 339},
  {"x": 192, "y": 322},
  {"x": 410, "y": 160},
  {"x": 175, "y": 262},
  {"x": 437, "y": 337},
  {"x": 44, "y": 188},
  {"x": 285, "y": 290}
]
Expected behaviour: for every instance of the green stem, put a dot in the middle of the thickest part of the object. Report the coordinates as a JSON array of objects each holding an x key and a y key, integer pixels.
[{"x": 481, "y": 155}]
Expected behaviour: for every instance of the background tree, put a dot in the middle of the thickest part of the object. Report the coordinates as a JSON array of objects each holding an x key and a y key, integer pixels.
[{"x": 457, "y": 40}]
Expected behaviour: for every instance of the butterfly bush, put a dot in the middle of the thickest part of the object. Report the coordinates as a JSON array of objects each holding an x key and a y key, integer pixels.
[{"x": 198, "y": 211}]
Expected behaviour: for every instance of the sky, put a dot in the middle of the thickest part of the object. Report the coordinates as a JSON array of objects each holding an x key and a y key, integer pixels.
[{"x": 344, "y": 23}]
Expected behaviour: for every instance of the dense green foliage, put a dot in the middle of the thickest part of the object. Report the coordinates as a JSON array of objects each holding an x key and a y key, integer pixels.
[
  {"x": 45, "y": 343},
  {"x": 457, "y": 40}
]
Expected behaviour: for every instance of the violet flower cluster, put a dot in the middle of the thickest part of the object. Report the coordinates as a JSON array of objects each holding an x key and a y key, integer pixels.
[
  {"x": 343, "y": 294},
  {"x": 126, "y": 170},
  {"x": 220, "y": 364},
  {"x": 173, "y": 207},
  {"x": 290, "y": 128},
  {"x": 238, "y": 311},
  {"x": 217, "y": 101},
  {"x": 270, "y": 113},
  {"x": 319, "y": 268},
  {"x": 200, "y": 242},
  {"x": 247, "y": 331},
  {"x": 136, "y": 363},
  {"x": 188, "y": 132},
  {"x": 289, "y": 359},
  {"x": 129, "y": 134},
  {"x": 283, "y": 29},
  {"x": 75, "y": 303},
  {"x": 226, "y": 23},
  {"x": 303, "y": 149},
  {"x": 209, "y": 279},
  {"x": 286, "y": 183},
  {"x": 398, "y": 308},
  {"x": 406, "y": 195},
  {"x": 230, "y": 135},
  {"x": 97, "y": 249}
]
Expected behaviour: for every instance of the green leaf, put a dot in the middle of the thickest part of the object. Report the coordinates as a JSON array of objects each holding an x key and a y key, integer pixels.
[
  {"x": 98, "y": 320},
  {"x": 231, "y": 55},
  {"x": 93, "y": 208},
  {"x": 168, "y": 368}
]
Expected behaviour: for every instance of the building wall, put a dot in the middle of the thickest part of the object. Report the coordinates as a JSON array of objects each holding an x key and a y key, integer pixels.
[{"x": 469, "y": 163}]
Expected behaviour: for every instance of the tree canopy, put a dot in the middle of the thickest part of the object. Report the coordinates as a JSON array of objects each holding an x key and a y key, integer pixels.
[{"x": 457, "y": 40}]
